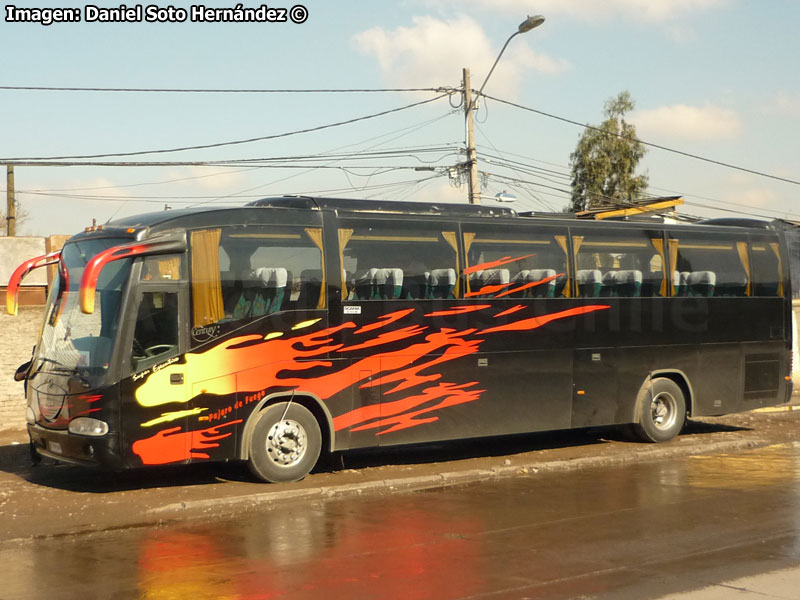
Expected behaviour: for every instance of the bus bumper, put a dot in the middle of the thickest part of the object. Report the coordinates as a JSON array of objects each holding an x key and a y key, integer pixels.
[{"x": 66, "y": 447}]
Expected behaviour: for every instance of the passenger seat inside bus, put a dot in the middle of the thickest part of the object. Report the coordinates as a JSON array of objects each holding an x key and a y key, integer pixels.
[
  {"x": 415, "y": 287},
  {"x": 731, "y": 284},
  {"x": 231, "y": 291},
  {"x": 590, "y": 282},
  {"x": 379, "y": 284},
  {"x": 622, "y": 284},
  {"x": 701, "y": 283},
  {"x": 310, "y": 288},
  {"x": 489, "y": 278},
  {"x": 441, "y": 283},
  {"x": 542, "y": 290},
  {"x": 263, "y": 292}
]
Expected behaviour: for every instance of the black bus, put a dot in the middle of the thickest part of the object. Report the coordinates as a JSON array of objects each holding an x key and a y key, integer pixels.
[{"x": 293, "y": 326}]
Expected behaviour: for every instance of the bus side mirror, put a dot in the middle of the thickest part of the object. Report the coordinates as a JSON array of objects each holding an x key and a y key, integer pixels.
[{"x": 22, "y": 371}]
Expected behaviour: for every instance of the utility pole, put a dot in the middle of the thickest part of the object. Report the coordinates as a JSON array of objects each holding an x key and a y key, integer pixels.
[
  {"x": 472, "y": 158},
  {"x": 11, "y": 213}
]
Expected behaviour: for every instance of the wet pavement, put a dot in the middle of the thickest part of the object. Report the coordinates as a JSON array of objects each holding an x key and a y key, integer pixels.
[
  {"x": 52, "y": 500},
  {"x": 632, "y": 531},
  {"x": 56, "y": 500}
]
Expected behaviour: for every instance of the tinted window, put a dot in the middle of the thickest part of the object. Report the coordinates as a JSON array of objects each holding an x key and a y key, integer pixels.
[
  {"x": 156, "y": 335},
  {"x": 241, "y": 273},
  {"x": 162, "y": 268},
  {"x": 398, "y": 260},
  {"x": 620, "y": 264},
  {"x": 709, "y": 265},
  {"x": 516, "y": 263},
  {"x": 766, "y": 268}
]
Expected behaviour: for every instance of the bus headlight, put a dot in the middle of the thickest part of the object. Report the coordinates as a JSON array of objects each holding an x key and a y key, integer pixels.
[{"x": 87, "y": 426}]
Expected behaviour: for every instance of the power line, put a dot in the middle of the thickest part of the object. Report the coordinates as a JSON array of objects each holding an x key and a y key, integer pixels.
[
  {"x": 508, "y": 165},
  {"x": 651, "y": 144},
  {"x": 741, "y": 212},
  {"x": 186, "y": 199},
  {"x": 254, "y": 163},
  {"x": 32, "y": 88},
  {"x": 14, "y": 160}
]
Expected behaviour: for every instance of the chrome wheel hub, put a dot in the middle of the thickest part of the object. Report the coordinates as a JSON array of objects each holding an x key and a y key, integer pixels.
[
  {"x": 663, "y": 411},
  {"x": 286, "y": 443}
]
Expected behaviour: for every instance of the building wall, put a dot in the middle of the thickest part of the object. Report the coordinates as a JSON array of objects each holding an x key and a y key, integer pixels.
[
  {"x": 16, "y": 250},
  {"x": 18, "y": 336}
]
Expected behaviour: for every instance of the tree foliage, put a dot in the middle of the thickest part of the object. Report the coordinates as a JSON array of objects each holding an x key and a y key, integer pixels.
[
  {"x": 21, "y": 216},
  {"x": 605, "y": 160}
]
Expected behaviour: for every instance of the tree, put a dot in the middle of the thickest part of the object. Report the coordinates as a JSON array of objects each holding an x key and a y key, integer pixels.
[
  {"x": 21, "y": 216},
  {"x": 605, "y": 160}
]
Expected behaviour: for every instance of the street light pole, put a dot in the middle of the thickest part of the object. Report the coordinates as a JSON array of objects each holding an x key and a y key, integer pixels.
[{"x": 469, "y": 110}]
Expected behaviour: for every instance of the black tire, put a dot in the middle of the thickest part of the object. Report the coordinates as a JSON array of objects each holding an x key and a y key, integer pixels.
[
  {"x": 660, "y": 411},
  {"x": 285, "y": 444}
]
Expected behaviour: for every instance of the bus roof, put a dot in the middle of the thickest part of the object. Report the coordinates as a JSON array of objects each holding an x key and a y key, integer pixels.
[
  {"x": 386, "y": 206},
  {"x": 161, "y": 220}
]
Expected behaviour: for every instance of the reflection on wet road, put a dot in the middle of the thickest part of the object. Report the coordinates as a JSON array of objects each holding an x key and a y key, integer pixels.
[{"x": 637, "y": 531}]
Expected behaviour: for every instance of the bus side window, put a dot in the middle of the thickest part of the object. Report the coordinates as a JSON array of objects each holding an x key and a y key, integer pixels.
[
  {"x": 155, "y": 337},
  {"x": 623, "y": 264},
  {"x": 242, "y": 273},
  {"x": 711, "y": 266},
  {"x": 397, "y": 260},
  {"x": 767, "y": 268},
  {"x": 522, "y": 263}
]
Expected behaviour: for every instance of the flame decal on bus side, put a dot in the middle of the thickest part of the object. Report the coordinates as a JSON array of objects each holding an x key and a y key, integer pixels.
[
  {"x": 173, "y": 445},
  {"x": 260, "y": 364}
]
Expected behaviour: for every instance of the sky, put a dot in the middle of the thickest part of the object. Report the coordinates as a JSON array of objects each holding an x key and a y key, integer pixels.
[{"x": 715, "y": 79}]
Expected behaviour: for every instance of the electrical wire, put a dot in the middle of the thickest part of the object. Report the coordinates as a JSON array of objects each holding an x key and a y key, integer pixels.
[
  {"x": 228, "y": 143},
  {"x": 543, "y": 203},
  {"x": 31, "y": 88},
  {"x": 650, "y": 144}
]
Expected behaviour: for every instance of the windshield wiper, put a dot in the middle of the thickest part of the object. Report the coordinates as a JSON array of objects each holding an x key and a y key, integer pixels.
[{"x": 62, "y": 368}]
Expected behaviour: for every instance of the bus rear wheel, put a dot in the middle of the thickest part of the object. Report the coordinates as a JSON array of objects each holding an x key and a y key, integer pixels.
[
  {"x": 660, "y": 411},
  {"x": 285, "y": 444}
]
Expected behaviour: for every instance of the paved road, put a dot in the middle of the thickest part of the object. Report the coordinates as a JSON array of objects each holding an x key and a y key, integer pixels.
[
  {"x": 56, "y": 500},
  {"x": 632, "y": 531}
]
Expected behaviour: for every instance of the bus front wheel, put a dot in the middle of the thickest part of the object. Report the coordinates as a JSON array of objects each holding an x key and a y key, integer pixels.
[
  {"x": 660, "y": 411},
  {"x": 285, "y": 444}
]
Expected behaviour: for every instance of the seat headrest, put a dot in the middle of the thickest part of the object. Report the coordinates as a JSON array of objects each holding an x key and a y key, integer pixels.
[
  {"x": 443, "y": 277},
  {"x": 271, "y": 277}
]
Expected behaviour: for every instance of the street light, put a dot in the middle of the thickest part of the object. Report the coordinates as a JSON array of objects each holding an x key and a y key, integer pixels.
[
  {"x": 524, "y": 27},
  {"x": 505, "y": 196},
  {"x": 469, "y": 107}
]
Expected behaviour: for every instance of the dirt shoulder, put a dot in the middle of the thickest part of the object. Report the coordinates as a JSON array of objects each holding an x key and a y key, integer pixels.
[{"x": 54, "y": 500}]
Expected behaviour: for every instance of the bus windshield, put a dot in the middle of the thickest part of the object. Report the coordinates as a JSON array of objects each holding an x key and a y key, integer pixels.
[{"x": 71, "y": 340}]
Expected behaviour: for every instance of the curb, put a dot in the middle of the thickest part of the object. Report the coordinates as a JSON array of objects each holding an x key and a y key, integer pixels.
[{"x": 181, "y": 510}]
